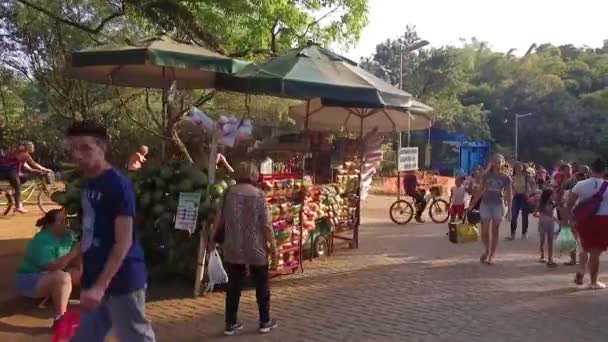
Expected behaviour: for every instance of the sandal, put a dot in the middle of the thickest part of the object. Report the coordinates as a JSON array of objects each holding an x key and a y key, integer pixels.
[
  {"x": 597, "y": 286},
  {"x": 578, "y": 278},
  {"x": 483, "y": 258}
]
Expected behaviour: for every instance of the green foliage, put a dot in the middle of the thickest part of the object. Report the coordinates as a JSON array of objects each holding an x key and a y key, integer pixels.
[
  {"x": 478, "y": 92},
  {"x": 37, "y": 37}
]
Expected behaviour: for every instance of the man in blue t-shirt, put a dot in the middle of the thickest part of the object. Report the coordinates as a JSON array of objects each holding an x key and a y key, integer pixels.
[{"x": 114, "y": 270}]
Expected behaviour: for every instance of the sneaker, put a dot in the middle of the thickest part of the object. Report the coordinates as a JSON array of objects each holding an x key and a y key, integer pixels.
[
  {"x": 510, "y": 238},
  {"x": 524, "y": 237},
  {"x": 232, "y": 329},
  {"x": 419, "y": 219},
  {"x": 20, "y": 210},
  {"x": 268, "y": 326}
]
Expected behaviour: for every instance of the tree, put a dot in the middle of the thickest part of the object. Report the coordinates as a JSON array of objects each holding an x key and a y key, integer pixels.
[
  {"x": 478, "y": 92},
  {"x": 37, "y": 37}
]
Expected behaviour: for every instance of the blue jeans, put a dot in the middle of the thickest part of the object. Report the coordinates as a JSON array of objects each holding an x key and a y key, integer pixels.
[
  {"x": 124, "y": 314},
  {"x": 520, "y": 203}
]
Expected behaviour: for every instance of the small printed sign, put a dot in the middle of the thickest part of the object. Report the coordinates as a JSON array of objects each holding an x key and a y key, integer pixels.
[
  {"x": 408, "y": 159},
  {"x": 187, "y": 211}
]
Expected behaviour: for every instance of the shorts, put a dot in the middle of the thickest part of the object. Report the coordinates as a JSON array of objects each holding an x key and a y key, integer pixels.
[
  {"x": 546, "y": 228},
  {"x": 27, "y": 284},
  {"x": 491, "y": 211},
  {"x": 7, "y": 173},
  {"x": 457, "y": 210},
  {"x": 593, "y": 233}
]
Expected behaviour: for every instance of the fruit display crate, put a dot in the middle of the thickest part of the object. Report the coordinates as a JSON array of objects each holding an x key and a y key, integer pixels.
[{"x": 283, "y": 194}]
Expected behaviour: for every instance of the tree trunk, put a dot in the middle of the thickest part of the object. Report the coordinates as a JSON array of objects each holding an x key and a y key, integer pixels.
[{"x": 173, "y": 136}]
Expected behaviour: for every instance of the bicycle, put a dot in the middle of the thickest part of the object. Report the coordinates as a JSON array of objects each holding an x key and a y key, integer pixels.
[
  {"x": 402, "y": 210},
  {"x": 37, "y": 191}
]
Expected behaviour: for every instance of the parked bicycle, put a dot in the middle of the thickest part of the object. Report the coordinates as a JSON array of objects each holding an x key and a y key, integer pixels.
[
  {"x": 37, "y": 191},
  {"x": 402, "y": 211}
]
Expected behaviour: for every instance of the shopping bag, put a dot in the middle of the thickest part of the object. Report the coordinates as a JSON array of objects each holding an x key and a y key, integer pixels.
[
  {"x": 467, "y": 232},
  {"x": 566, "y": 242},
  {"x": 66, "y": 327},
  {"x": 215, "y": 269}
]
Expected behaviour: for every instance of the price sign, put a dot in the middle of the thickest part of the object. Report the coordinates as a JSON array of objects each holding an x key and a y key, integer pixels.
[
  {"x": 187, "y": 211},
  {"x": 408, "y": 159}
]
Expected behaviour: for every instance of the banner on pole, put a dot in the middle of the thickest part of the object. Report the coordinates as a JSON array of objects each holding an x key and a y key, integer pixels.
[
  {"x": 187, "y": 211},
  {"x": 408, "y": 159}
]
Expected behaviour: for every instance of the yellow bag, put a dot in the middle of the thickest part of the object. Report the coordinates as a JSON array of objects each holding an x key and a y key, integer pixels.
[{"x": 467, "y": 232}]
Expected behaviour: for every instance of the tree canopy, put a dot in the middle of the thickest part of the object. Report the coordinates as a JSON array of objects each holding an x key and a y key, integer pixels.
[
  {"x": 37, "y": 37},
  {"x": 479, "y": 92}
]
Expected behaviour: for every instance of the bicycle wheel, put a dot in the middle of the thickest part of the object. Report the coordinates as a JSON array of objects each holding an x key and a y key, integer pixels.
[
  {"x": 45, "y": 203},
  {"x": 439, "y": 211},
  {"x": 401, "y": 212}
]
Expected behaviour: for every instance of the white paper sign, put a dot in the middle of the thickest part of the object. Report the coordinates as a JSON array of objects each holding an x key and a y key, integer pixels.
[
  {"x": 408, "y": 159},
  {"x": 187, "y": 211}
]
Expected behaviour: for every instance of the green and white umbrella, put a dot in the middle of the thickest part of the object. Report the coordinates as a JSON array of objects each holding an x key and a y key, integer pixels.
[
  {"x": 314, "y": 72},
  {"x": 152, "y": 63}
]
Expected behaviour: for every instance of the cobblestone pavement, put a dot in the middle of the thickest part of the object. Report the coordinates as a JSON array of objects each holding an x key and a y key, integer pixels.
[{"x": 404, "y": 283}]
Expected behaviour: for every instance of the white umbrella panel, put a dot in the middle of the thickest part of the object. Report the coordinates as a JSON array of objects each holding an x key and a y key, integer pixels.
[{"x": 318, "y": 115}]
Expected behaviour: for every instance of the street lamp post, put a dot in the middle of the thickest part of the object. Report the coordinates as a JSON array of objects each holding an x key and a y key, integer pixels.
[
  {"x": 411, "y": 48},
  {"x": 517, "y": 117}
]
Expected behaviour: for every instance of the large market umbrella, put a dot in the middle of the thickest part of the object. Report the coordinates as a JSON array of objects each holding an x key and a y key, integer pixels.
[
  {"x": 311, "y": 71},
  {"x": 152, "y": 63},
  {"x": 325, "y": 115}
]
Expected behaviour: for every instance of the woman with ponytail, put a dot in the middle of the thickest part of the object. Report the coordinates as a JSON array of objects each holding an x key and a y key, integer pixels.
[{"x": 52, "y": 263}]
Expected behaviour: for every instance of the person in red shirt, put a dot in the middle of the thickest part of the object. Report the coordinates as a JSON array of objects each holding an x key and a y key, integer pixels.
[
  {"x": 410, "y": 185},
  {"x": 11, "y": 169}
]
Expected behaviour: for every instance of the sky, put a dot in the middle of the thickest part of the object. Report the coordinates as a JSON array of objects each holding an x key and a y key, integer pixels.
[{"x": 504, "y": 24}]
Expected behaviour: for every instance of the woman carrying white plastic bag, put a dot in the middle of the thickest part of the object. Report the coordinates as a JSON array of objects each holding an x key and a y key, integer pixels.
[{"x": 245, "y": 232}]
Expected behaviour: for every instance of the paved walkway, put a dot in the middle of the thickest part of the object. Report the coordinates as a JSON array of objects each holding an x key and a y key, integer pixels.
[{"x": 402, "y": 284}]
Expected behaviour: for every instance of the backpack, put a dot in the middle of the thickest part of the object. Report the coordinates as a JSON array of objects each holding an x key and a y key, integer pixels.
[{"x": 588, "y": 207}]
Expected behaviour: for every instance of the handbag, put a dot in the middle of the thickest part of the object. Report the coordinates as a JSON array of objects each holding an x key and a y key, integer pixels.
[
  {"x": 588, "y": 207},
  {"x": 462, "y": 232}
]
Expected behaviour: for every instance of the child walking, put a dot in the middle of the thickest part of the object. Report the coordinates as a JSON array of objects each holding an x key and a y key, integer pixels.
[
  {"x": 457, "y": 197},
  {"x": 546, "y": 225}
]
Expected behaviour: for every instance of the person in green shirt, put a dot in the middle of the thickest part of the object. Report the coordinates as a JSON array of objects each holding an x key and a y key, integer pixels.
[{"x": 51, "y": 265}]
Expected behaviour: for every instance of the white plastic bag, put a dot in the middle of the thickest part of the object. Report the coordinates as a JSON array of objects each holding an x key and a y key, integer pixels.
[{"x": 217, "y": 274}]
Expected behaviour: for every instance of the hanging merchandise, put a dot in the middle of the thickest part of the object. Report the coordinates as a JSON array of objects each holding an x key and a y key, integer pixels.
[
  {"x": 227, "y": 129},
  {"x": 372, "y": 159}
]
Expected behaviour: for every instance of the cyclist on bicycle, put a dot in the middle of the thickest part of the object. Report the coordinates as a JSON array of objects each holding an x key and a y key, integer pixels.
[
  {"x": 11, "y": 169},
  {"x": 410, "y": 184}
]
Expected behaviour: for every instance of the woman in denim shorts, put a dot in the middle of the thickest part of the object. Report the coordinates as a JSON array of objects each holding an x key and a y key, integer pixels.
[{"x": 495, "y": 191}]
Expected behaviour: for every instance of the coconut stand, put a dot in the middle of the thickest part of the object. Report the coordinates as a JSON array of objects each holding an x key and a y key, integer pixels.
[{"x": 161, "y": 63}]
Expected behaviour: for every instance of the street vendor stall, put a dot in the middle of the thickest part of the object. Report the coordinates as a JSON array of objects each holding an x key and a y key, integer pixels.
[{"x": 339, "y": 97}]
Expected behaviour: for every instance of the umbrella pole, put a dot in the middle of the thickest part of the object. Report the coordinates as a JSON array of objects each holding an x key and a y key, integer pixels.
[
  {"x": 409, "y": 131},
  {"x": 398, "y": 171},
  {"x": 361, "y": 157},
  {"x": 202, "y": 244}
]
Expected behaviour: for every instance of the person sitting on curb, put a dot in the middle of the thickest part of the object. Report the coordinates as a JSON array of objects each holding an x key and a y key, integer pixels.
[{"x": 51, "y": 266}]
